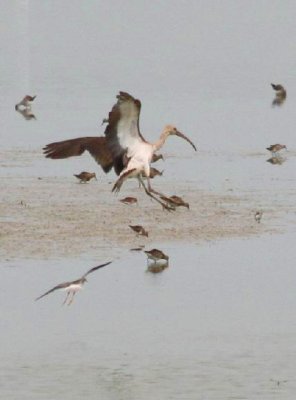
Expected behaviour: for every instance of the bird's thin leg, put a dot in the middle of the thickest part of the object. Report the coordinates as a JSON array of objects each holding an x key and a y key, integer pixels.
[
  {"x": 151, "y": 190},
  {"x": 153, "y": 197},
  {"x": 65, "y": 301},
  {"x": 72, "y": 298}
]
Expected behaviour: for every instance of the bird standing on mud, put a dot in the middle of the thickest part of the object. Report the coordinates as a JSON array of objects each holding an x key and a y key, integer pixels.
[{"x": 85, "y": 176}]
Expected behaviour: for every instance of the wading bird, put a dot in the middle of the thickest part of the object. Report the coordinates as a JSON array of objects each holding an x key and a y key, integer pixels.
[
  {"x": 139, "y": 230},
  {"x": 275, "y": 148},
  {"x": 124, "y": 147},
  {"x": 74, "y": 286},
  {"x": 85, "y": 176},
  {"x": 280, "y": 95},
  {"x": 129, "y": 200},
  {"x": 175, "y": 201},
  {"x": 25, "y": 103},
  {"x": 156, "y": 255},
  {"x": 258, "y": 216}
]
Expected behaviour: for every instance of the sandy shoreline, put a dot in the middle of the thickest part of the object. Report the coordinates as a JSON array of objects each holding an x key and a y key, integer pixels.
[{"x": 57, "y": 217}]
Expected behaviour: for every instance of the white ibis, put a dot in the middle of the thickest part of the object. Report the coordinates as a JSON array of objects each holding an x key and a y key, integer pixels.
[
  {"x": 74, "y": 286},
  {"x": 132, "y": 154},
  {"x": 25, "y": 103},
  {"x": 280, "y": 95},
  {"x": 124, "y": 148}
]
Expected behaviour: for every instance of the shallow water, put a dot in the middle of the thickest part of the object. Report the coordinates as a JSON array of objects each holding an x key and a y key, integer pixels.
[{"x": 219, "y": 322}]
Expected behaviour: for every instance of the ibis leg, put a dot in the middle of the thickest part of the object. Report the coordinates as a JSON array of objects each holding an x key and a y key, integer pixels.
[{"x": 153, "y": 197}]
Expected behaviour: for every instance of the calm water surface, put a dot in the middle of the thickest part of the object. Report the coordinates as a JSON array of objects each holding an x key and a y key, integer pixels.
[{"x": 220, "y": 321}]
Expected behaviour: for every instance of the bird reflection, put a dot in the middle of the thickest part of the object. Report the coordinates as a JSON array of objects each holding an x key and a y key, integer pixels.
[
  {"x": 280, "y": 95},
  {"x": 157, "y": 267},
  {"x": 276, "y": 160},
  {"x": 26, "y": 113}
]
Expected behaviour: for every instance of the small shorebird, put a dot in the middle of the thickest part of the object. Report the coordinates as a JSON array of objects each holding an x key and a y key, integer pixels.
[
  {"x": 74, "y": 286},
  {"x": 175, "y": 201},
  {"x": 129, "y": 200},
  {"x": 139, "y": 230},
  {"x": 156, "y": 255},
  {"x": 280, "y": 95},
  {"x": 85, "y": 176},
  {"x": 25, "y": 103},
  {"x": 258, "y": 216},
  {"x": 156, "y": 157},
  {"x": 275, "y": 148}
]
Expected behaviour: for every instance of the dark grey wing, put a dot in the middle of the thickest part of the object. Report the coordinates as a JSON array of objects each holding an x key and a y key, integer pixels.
[
  {"x": 96, "y": 146},
  {"x": 60, "y": 286},
  {"x": 122, "y": 131},
  {"x": 95, "y": 268}
]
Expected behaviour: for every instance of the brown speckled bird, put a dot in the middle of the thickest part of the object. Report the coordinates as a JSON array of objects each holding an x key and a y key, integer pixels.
[
  {"x": 156, "y": 255},
  {"x": 275, "y": 148},
  {"x": 25, "y": 103},
  {"x": 129, "y": 200},
  {"x": 280, "y": 95},
  {"x": 139, "y": 230},
  {"x": 175, "y": 201},
  {"x": 85, "y": 176}
]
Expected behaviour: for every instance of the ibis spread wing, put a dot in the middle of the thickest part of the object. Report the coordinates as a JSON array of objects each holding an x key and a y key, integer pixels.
[
  {"x": 122, "y": 131},
  {"x": 60, "y": 286},
  {"x": 96, "y": 146},
  {"x": 95, "y": 268}
]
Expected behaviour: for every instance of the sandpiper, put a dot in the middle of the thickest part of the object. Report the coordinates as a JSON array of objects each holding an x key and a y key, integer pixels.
[
  {"x": 275, "y": 148},
  {"x": 139, "y": 230},
  {"x": 280, "y": 95},
  {"x": 156, "y": 157},
  {"x": 175, "y": 201},
  {"x": 129, "y": 200},
  {"x": 85, "y": 176},
  {"x": 258, "y": 216},
  {"x": 74, "y": 286},
  {"x": 25, "y": 103},
  {"x": 156, "y": 255}
]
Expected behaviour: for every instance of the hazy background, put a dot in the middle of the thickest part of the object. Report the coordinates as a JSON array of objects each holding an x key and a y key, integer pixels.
[{"x": 219, "y": 323}]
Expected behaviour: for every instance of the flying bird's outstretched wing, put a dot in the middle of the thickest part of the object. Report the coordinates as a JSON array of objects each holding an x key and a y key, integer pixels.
[
  {"x": 96, "y": 146},
  {"x": 95, "y": 268},
  {"x": 123, "y": 132},
  {"x": 60, "y": 286}
]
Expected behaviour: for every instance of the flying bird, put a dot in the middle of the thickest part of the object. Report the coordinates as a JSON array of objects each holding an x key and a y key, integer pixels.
[
  {"x": 85, "y": 176},
  {"x": 280, "y": 95},
  {"x": 74, "y": 286},
  {"x": 139, "y": 230},
  {"x": 275, "y": 148},
  {"x": 25, "y": 103},
  {"x": 123, "y": 146}
]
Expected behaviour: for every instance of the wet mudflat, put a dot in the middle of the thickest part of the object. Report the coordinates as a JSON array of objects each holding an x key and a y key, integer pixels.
[{"x": 219, "y": 321}]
